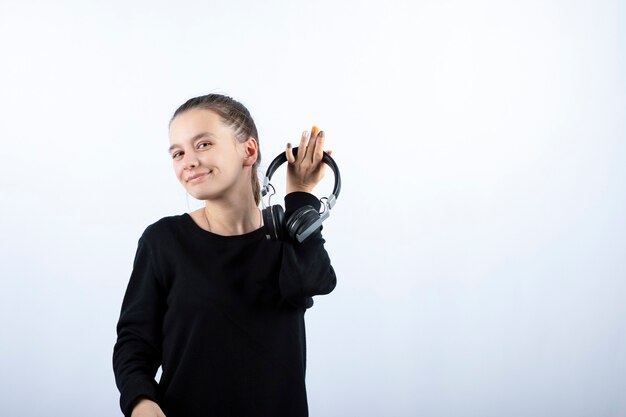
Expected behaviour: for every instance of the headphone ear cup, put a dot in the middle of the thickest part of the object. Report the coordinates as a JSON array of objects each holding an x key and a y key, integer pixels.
[
  {"x": 274, "y": 222},
  {"x": 300, "y": 220}
]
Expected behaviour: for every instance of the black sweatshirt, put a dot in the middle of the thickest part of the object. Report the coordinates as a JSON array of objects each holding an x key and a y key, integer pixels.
[{"x": 223, "y": 316}]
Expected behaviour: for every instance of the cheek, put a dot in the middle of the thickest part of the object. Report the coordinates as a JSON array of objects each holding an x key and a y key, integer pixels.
[{"x": 178, "y": 170}]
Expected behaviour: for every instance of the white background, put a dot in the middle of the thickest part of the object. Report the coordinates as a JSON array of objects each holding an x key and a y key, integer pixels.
[{"x": 479, "y": 239}]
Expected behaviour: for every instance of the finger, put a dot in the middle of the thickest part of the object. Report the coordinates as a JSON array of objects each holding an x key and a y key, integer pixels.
[
  {"x": 314, "y": 131},
  {"x": 312, "y": 143},
  {"x": 316, "y": 155},
  {"x": 302, "y": 149},
  {"x": 289, "y": 154}
]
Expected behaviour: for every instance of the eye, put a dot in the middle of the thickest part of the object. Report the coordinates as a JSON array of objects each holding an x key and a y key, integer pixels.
[
  {"x": 176, "y": 154},
  {"x": 203, "y": 145}
]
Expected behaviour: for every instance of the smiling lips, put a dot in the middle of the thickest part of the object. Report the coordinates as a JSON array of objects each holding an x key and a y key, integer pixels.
[{"x": 198, "y": 176}]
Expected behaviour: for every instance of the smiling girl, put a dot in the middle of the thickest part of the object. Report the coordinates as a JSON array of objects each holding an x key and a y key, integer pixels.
[{"x": 213, "y": 302}]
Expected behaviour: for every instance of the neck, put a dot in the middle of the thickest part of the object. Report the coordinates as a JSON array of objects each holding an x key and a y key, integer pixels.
[{"x": 235, "y": 217}]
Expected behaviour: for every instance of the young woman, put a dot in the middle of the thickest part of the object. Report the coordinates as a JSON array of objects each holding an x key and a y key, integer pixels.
[{"x": 213, "y": 302}]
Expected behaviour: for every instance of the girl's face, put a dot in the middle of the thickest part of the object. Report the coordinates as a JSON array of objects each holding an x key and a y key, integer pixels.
[{"x": 208, "y": 159}]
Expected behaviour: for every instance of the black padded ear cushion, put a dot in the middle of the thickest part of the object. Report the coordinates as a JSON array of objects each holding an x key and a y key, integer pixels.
[
  {"x": 273, "y": 221},
  {"x": 279, "y": 221},
  {"x": 268, "y": 222},
  {"x": 300, "y": 220}
]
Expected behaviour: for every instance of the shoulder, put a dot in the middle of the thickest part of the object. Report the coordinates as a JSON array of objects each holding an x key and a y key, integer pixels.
[
  {"x": 295, "y": 200},
  {"x": 164, "y": 228}
]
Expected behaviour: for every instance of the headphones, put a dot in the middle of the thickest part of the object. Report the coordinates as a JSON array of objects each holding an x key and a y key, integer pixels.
[{"x": 305, "y": 220}]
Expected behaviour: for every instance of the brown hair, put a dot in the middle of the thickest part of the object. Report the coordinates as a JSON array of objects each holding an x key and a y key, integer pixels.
[{"x": 234, "y": 115}]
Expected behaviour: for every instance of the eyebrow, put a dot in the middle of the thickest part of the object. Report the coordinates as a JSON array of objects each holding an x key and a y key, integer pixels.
[{"x": 193, "y": 139}]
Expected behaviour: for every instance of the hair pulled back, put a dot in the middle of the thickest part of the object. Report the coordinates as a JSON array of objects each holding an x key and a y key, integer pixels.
[{"x": 234, "y": 115}]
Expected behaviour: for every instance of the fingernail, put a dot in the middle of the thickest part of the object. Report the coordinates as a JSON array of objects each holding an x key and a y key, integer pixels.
[
  {"x": 289, "y": 145},
  {"x": 305, "y": 133},
  {"x": 314, "y": 130},
  {"x": 321, "y": 134}
]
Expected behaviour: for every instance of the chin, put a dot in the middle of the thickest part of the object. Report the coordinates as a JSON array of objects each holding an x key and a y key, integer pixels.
[{"x": 200, "y": 194}]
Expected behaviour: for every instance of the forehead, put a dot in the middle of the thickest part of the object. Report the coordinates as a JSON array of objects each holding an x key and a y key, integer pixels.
[{"x": 190, "y": 123}]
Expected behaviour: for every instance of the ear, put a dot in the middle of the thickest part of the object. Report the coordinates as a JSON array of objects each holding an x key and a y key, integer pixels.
[{"x": 251, "y": 151}]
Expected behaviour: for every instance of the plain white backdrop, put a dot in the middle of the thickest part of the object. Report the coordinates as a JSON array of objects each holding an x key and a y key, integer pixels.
[{"x": 479, "y": 240}]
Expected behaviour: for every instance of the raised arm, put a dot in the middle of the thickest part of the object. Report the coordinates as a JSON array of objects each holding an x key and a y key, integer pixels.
[{"x": 306, "y": 270}]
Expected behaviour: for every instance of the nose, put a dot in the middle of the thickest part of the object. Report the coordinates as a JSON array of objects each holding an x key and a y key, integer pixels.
[{"x": 190, "y": 162}]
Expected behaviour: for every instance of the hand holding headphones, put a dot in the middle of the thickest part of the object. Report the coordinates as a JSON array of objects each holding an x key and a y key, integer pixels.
[
  {"x": 305, "y": 220},
  {"x": 305, "y": 169}
]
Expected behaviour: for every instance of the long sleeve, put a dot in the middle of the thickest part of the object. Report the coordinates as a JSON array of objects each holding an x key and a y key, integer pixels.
[
  {"x": 305, "y": 270},
  {"x": 138, "y": 351}
]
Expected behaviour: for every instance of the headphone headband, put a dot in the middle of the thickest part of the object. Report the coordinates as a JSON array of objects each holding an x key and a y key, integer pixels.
[{"x": 282, "y": 158}]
